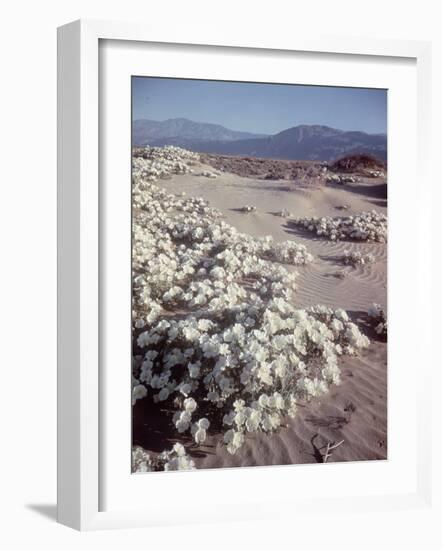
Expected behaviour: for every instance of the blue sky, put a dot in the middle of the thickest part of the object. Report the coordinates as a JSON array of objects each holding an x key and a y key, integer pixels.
[{"x": 260, "y": 108}]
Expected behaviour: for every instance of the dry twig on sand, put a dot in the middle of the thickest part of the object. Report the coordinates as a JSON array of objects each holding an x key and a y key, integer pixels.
[{"x": 331, "y": 446}]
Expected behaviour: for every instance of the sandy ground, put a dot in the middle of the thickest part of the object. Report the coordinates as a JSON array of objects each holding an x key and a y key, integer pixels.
[{"x": 356, "y": 410}]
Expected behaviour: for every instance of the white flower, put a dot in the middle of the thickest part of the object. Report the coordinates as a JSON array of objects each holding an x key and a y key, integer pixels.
[
  {"x": 238, "y": 405},
  {"x": 228, "y": 419},
  {"x": 182, "y": 422},
  {"x": 190, "y": 404},
  {"x": 341, "y": 314},
  {"x": 203, "y": 423},
  {"x": 185, "y": 389},
  {"x": 240, "y": 418},
  {"x": 182, "y": 426},
  {"x": 253, "y": 420},
  {"x": 164, "y": 394},
  {"x": 176, "y": 459},
  {"x": 263, "y": 400},
  {"x": 378, "y": 320},
  {"x": 278, "y": 401},
  {"x": 264, "y": 374},
  {"x": 199, "y": 430},
  {"x": 191, "y": 333},
  {"x": 200, "y": 436},
  {"x": 194, "y": 370},
  {"x": 141, "y": 461},
  {"x": 204, "y": 325},
  {"x": 234, "y": 440},
  {"x": 138, "y": 392},
  {"x": 179, "y": 449}
]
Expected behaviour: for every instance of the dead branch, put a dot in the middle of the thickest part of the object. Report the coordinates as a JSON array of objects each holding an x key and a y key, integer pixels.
[{"x": 331, "y": 446}]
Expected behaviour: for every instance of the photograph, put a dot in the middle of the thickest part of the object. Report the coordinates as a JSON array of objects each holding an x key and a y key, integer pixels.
[
  {"x": 259, "y": 274},
  {"x": 215, "y": 215}
]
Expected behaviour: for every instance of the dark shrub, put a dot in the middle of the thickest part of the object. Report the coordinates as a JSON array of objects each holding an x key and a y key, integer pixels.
[{"x": 357, "y": 162}]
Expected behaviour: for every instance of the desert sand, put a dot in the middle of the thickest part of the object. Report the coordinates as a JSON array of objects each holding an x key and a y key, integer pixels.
[{"x": 356, "y": 410}]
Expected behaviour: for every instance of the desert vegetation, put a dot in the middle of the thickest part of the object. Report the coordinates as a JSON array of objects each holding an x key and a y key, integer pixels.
[
  {"x": 356, "y": 258},
  {"x": 267, "y": 169},
  {"x": 366, "y": 226},
  {"x": 378, "y": 320},
  {"x": 167, "y": 461},
  {"x": 359, "y": 164},
  {"x": 218, "y": 340}
]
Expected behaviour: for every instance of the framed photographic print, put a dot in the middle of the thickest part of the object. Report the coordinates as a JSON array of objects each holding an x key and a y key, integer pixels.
[{"x": 231, "y": 225}]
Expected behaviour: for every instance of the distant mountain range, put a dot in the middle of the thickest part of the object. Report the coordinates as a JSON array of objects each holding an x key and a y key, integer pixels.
[
  {"x": 305, "y": 142},
  {"x": 144, "y": 131}
]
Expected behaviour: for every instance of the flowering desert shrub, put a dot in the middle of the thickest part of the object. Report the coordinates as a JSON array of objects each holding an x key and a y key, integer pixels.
[
  {"x": 339, "y": 178},
  {"x": 357, "y": 258},
  {"x": 247, "y": 209},
  {"x": 175, "y": 459},
  {"x": 160, "y": 162},
  {"x": 249, "y": 366},
  {"x": 367, "y": 226},
  {"x": 208, "y": 174},
  {"x": 284, "y": 213},
  {"x": 378, "y": 320},
  {"x": 217, "y": 338}
]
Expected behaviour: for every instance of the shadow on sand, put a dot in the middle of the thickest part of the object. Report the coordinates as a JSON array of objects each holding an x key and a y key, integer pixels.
[
  {"x": 376, "y": 191},
  {"x": 152, "y": 429}
]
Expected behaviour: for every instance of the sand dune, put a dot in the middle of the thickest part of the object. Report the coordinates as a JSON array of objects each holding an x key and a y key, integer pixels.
[{"x": 356, "y": 410}]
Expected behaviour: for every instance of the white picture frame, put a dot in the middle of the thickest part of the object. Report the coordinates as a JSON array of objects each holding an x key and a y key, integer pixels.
[{"x": 79, "y": 293}]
